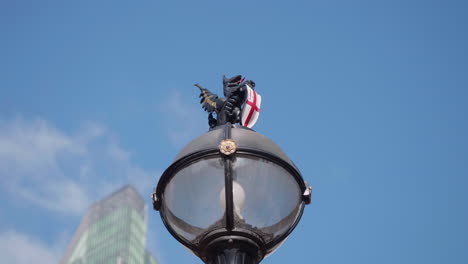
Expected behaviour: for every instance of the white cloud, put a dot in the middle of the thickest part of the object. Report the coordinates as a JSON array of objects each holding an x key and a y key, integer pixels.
[
  {"x": 64, "y": 172},
  {"x": 118, "y": 153},
  {"x": 183, "y": 118},
  {"x": 61, "y": 173},
  {"x": 18, "y": 248},
  {"x": 28, "y": 146}
]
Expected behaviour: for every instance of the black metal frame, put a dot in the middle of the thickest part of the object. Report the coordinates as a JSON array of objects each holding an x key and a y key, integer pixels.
[{"x": 230, "y": 232}]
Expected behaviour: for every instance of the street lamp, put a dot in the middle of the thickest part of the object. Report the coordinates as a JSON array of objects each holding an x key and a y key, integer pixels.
[{"x": 231, "y": 196}]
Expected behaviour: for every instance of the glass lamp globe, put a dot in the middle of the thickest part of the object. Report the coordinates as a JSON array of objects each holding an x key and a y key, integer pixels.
[{"x": 243, "y": 197}]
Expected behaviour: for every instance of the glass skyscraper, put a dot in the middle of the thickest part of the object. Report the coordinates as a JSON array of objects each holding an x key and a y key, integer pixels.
[{"x": 113, "y": 231}]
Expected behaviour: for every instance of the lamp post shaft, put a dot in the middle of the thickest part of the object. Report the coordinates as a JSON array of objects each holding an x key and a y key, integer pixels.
[{"x": 232, "y": 256}]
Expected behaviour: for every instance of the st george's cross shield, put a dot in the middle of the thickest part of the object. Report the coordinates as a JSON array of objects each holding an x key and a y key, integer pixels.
[{"x": 251, "y": 109}]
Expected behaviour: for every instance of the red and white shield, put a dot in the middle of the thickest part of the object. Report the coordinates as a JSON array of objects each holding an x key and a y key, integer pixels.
[{"x": 251, "y": 109}]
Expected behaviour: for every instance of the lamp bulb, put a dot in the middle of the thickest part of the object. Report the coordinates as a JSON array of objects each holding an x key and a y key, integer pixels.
[{"x": 238, "y": 198}]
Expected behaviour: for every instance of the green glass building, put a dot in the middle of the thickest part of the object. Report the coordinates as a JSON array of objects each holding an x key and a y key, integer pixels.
[{"x": 113, "y": 231}]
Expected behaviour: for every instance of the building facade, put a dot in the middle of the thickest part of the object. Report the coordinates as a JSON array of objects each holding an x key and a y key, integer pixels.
[{"x": 113, "y": 231}]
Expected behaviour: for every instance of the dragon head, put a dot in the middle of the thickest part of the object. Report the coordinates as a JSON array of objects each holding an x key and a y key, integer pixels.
[{"x": 230, "y": 85}]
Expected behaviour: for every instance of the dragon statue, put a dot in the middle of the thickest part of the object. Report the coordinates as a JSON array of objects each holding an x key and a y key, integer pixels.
[{"x": 240, "y": 104}]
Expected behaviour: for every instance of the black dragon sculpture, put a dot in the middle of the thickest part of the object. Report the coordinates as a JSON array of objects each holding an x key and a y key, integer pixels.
[{"x": 229, "y": 107}]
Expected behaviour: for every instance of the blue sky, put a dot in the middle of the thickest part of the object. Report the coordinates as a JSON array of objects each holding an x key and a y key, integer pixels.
[{"x": 369, "y": 98}]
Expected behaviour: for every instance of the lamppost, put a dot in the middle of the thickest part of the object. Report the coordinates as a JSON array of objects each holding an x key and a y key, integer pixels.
[{"x": 231, "y": 195}]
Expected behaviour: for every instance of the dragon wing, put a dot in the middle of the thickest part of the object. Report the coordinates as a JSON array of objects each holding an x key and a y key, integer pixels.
[{"x": 208, "y": 99}]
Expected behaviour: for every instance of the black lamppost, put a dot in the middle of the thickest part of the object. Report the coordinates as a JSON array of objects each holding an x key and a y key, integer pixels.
[{"x": 231, "y": 196}]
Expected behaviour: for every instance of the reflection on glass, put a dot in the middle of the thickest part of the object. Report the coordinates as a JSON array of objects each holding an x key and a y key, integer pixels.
[
  {"x": 271, "y": 196},
  {"x": 191, "y": 199}
]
